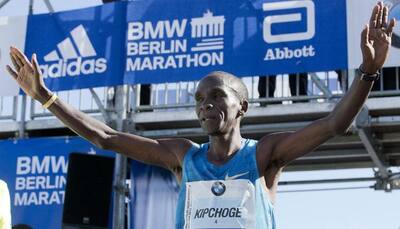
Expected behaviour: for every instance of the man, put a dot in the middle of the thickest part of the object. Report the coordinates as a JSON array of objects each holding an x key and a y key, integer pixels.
[
  {"x": 229, "y": 182},
  {"x": 5, "y": 210}
]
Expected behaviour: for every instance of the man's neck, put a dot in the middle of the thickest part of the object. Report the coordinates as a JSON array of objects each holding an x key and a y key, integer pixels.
[{"x": 223, "y": 147}]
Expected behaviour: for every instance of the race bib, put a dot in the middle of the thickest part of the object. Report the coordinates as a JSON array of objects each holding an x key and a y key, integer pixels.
[{"x": 220, "y": 204}]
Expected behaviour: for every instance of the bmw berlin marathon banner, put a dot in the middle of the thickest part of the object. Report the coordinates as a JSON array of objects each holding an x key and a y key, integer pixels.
[
  {"x": 185, "y": 40},
  {"x": 36, "y": 173},
  {"x": 179, "y": 40}
]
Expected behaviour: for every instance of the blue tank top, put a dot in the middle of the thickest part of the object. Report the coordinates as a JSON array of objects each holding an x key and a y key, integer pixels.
[{"x": 243, "y": 166}]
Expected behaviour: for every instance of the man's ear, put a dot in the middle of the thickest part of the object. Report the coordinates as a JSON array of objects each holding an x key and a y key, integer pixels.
[{"x": 244, "y": 105}]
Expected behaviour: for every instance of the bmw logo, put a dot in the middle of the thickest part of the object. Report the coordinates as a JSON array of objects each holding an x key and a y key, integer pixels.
[
  {"x": 218, "y": 188},
  {"x": 394, "y": 12}
]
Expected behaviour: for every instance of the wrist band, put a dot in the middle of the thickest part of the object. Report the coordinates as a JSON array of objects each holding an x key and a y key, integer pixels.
[
  {"x": 49, "y": 102},
  {"x": 369, "y": 77}
]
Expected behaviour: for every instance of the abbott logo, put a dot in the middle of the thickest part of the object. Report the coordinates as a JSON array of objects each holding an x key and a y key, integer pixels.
[
  {"x": 289, "y": 17},
  {"x": 77, "y": 57}
]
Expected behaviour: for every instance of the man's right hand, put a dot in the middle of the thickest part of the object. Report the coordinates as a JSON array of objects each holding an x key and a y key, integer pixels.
[
  {"x": 168, "y": 153},
  {"x": 28, "y": 76}
]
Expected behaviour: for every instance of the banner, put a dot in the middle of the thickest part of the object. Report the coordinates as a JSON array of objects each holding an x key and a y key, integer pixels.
[
  {"x": 35, "y": 171},
  {"x": 80, "y": 48},
  {"x": 168, "y": 41},
  {"x": 13, "y": 31},
  {"x": 358, "y": 15},
  {"x": 185, "y": 40}
]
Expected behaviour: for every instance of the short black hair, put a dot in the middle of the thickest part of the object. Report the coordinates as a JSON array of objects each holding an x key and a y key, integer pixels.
[{"x": 234, "y": 82}]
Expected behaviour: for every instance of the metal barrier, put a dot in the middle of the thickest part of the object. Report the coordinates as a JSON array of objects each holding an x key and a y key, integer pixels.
[
  {"x": 83, "y": 100},
  {"x": 8, "y": 107},
  {"x": 319, "y": 87}
]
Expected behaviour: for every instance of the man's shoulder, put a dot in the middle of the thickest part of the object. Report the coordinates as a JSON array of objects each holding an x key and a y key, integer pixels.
[
  {"x": 3, "y": 184},
  {"x": 273, "y": 138},
  {"x": 3, "y": 190}
]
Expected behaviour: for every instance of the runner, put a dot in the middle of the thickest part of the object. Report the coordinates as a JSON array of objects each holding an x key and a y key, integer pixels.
[{"x": 229, "y": 182}]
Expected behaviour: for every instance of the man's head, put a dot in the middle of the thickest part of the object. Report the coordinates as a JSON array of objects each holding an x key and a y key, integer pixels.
[{"x": 221, "y": 102}]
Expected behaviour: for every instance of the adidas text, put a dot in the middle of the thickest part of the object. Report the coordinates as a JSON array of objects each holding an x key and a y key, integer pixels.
[{"x": 75, "y": 67}]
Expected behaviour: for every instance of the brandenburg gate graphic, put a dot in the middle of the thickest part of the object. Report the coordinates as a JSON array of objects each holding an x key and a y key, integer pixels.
[{"x": 208, "y": 25}]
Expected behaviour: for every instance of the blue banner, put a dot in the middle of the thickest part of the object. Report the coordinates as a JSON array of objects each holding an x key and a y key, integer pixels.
[
  {"x": 35, "y": 171},
  {"x": 178, "y": 40},
  {"x": 187, "y": 39},
  {"x": 80, "y": 48}
]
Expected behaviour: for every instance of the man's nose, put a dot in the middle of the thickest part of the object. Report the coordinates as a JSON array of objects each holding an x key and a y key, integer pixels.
[{"x": 207, "y": 106}]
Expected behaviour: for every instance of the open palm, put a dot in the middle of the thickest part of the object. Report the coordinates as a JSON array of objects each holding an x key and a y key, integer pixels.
[
  {"x": 26, "y": 73},
  {"x": 376, "y": 39}
]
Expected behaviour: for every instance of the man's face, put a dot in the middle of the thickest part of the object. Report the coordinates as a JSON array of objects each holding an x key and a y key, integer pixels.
[{"x": 217, "y": 106}]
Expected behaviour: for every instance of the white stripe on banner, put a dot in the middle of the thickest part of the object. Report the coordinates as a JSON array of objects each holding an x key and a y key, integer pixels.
[
  {"x": 13, "y": 33},
  {"x": 67, "y": 49},
  {"x": 52, "y": 56},
  {"x": 82, "y": 41}
]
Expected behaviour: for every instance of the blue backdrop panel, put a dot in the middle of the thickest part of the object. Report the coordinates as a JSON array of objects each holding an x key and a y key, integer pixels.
[
  {"x": 154, "y": 197},
  {"x": 80, "y": 48},
  {"x": 35, "y": 171},
  {"x": 179, "y": 40},
  {"x": 184, "y": 40}
]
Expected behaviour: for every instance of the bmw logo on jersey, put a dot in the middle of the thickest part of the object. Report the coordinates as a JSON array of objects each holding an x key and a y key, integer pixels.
[{"x": 218, "y": 188}]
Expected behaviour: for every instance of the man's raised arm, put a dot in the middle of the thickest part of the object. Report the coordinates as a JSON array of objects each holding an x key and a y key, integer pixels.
[
  {"x": 279, "y": 149},
  {"x": 167, "y": 153}
]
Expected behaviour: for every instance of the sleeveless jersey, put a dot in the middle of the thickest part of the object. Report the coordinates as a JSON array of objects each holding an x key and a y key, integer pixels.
[{"x": 223, "y": 196}]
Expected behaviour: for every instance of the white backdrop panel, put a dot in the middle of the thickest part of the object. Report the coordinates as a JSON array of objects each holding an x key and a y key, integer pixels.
[
  {"x": 12, "y": 32},
  {"x": 358, "y": 14}
]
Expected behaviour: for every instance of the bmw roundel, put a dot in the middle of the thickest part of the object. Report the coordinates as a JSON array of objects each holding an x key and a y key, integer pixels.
[{"x": 218, "y": 188}]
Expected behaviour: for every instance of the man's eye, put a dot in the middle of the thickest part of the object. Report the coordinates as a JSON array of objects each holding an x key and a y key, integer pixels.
[{"x": 218, "y": 95}]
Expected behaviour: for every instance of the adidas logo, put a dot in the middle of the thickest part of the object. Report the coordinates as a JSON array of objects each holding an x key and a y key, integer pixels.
[{"x": 77, "y": 57}]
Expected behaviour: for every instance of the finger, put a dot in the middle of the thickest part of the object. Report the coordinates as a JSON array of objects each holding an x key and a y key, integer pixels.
[
  {"x": 390, "y": 27},
  {"x": 380, "y": 15},
  {"x": 12, "y": 72},
  {"x": 35, "y": 64},
  {"x": 385, "y": 16},
  {"x": 365, "y": 35},
  {"x": 14, "y": 62},
  {"x": 20, "y": 56},
  {"x": 17, "y": 61},
  {"x": 374, "y": 17}
]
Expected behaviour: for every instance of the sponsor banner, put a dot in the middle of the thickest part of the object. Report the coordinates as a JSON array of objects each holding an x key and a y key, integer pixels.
[
  {"x": 187, "y": 39},
  {"x": 169, "y": 41},
  {"x": 80, "y": 48},
  {"x": 358, "y": 15},
  {"x": 35, "y": 171},
  {"x": 183, "y": 40},
  {"x": 13, "y": 30},
  {"x": 301, "y": 36}
]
